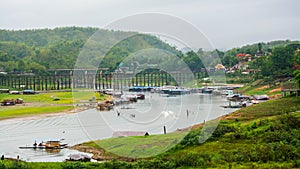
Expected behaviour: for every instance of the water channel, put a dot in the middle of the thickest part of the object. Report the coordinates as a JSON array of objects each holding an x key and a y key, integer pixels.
[{"x": 149, "y": 115}]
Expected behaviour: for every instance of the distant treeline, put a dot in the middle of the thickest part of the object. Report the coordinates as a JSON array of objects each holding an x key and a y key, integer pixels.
[{"x": 39, "y": 50}]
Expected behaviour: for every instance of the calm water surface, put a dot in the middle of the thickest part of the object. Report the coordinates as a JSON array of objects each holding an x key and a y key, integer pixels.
[{"x": 149, "y": 115}]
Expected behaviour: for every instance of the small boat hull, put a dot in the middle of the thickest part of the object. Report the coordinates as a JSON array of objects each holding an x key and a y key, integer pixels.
[{"x": 40, "y": 147}]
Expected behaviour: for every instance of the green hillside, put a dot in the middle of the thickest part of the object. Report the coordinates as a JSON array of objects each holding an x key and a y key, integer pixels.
[
  {"x": 38, "y": 50},
  {"x": 42, "y": 49}
]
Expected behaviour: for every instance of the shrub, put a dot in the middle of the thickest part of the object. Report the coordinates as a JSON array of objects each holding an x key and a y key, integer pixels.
[
  {"x": 155, "y": 163},
  {"x": 192, "y": 138},
  {"x": 190, "y": 159},
  {"x": 72, "y": 165},
  {"x": 116, "y": 164}
]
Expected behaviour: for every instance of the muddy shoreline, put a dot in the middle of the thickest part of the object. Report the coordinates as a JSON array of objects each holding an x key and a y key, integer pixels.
[{"x": 99, "y": 154}]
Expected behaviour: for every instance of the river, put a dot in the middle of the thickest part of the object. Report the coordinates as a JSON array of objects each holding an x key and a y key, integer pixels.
[{"x": 149, "y": 115}]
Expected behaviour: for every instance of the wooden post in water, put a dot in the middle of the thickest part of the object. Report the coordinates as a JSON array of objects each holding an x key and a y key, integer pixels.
[
  {"x": 151, "y": 79},
  {"x": 34, "y": 83},
  {"x": 8, "y": 81},
  {"x": 42, "y": 82},
  {"x": 136, "y": 80},
  {"x": 58, "y": 83},
  {"x": 166, "y": 79},
  {"x": 101, "y": 80},
  {"x": 121, "y": 80},
  {"x": 147, "y": 74},
  {"x": 110, "y": 80},
  {"x": 38, "y": 82},
  {"x": 132, "y": 80},
  {"x": 70, "y": 79},
  {"x": 19, "y": 82},
  {"x": 159, "y": 78},
  {"x": 46, "y": 82},
  {"x": 155, "y": 78},
  {"x": 105, "y": 80},
  {"x": 14, "y": 82},
  {"x": 144, "y": 76},
  {"x": 25, "y": 82},
  {"x": 85, "y": 79},
  {"x": 63, "y": 81},
  {"x": 141, "y": 79}
]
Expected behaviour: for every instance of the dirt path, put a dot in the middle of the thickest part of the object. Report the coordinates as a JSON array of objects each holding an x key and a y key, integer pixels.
[
  {"x": 261, "y": 88},
  {"x": 275, "y": 90}
]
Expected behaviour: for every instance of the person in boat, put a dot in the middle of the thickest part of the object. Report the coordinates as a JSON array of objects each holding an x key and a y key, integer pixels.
[{"x": 34, "y": 144}]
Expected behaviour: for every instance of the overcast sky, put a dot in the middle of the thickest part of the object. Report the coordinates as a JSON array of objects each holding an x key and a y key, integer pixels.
[{"x": 226, "y": 23}]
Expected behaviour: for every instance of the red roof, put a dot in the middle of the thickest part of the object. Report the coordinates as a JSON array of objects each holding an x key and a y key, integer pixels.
[{"x": 240, "y": 55}]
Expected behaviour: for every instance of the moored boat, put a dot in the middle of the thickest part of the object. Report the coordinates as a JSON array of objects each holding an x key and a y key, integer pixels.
[{"x": 51, "y": 144}]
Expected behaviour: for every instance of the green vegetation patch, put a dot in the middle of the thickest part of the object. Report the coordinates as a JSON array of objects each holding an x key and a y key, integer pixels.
[
  {"x": 139, "y": 146},
  {"x": 56, "y": 97},
  {"x": 43, "y": 103},
  {"x": 259, "y": 87},
  {"x": 21, "y": 111},
  {"x": 270, "y": 108}
]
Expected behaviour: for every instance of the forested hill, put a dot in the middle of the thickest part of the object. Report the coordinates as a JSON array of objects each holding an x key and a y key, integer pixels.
[
  {"x": 46, "y": 37},
  {"x": 38, "y": 50}
]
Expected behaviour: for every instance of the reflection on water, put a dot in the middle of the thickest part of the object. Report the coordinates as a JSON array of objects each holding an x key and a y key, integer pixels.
[
  {"x": 36, "y": 155},
  {"x": 41, "y": 152},
  {"x": 150, "y": 115}
]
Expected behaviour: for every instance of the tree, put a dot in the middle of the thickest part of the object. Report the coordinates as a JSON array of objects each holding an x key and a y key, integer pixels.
[
  {"x": 282, "y": 60},
  {"x": 193, "y": 61},
  {"x": 259, "y": 47},
  {"x": 297, "y": 77},
  {"x": 21, "y": 66}
]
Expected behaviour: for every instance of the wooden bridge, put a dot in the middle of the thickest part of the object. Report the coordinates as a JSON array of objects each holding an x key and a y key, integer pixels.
[{"x": 67, "y": 79}]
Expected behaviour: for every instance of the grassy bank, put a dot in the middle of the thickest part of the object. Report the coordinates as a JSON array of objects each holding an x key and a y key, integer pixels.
[
  {"x": 260, "y": 87},
  {"x": 268, "y": 109},
  {"x": 56, "y": 97},
  {"x": 44, "y": 103},
  {"x": 139, "y": 146}
]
